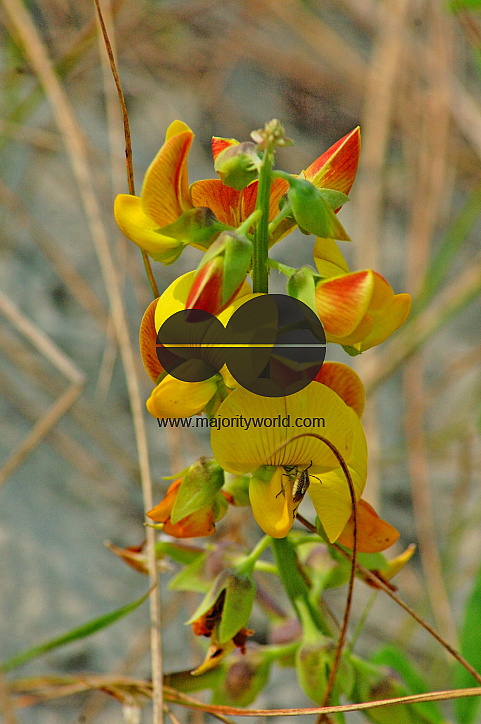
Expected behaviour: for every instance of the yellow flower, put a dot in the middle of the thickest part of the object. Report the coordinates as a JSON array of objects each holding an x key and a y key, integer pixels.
[{"x": 254, "y": 434}]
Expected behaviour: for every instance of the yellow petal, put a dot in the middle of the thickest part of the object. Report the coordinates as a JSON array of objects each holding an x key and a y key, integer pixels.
[
  {"x": 328, "y": 258},
  {"x": 251, "y": 427},
  {"x": 175, "y": 398},
  {"x": 142, "y": 230},
  {"x": 331, "y": 496},
  {"x": 165, "y": 192},
  {"x": 386, "y": 321},
  {"x": 271, "y": 502}
]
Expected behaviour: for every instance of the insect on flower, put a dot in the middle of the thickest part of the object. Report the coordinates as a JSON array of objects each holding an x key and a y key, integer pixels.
[{"x": 300, "y": 482}]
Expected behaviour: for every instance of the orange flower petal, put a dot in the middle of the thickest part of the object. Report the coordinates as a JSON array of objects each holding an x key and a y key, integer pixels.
[
  {"x": 195, "y": 525},
  {"x": 345, "y": 382},
  {"x": 374, "y": 534},
  {"x": 165, "y": 193},
  {"x": 343, "y": 301},
  {"x": 163, "y": 510},
  {"x": 337, "y": 167},
  {"x": 148, "y": 342}
]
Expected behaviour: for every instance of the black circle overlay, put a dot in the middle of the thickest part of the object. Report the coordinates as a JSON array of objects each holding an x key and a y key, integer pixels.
[{"x": 273, "y": 345}]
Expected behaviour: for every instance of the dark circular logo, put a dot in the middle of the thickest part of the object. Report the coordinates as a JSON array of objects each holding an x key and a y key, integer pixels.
[{"x": 273, "y": 345}]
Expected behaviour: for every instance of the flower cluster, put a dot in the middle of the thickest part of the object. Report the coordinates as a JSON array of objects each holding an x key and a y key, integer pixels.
[{"x": 234, "y": 221}]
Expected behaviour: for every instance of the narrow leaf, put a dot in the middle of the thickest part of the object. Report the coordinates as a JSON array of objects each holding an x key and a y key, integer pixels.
[{"x": 87, "y": 629}]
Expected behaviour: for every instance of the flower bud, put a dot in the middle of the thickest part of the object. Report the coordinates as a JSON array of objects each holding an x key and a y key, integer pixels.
[
  {"x": 312, "y": 212},
  {"x": 226, "y": 606},
  {"x": 221, "y": 273},
  {"x": 302, "y": 285},
  {"x": 244, "y": 679},
  {"x": 238, "y": 165}
]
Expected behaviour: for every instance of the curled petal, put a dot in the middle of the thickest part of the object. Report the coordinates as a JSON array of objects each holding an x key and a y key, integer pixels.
[
  {"x": 337, "y": 167},
  {"x": 195, "y": 525},
  {"x": 374, "y": 534},
  {"x": 345, "y": 382},
  {"x": 165, "y": 192},
  {"x": 162, "y": 512},
  {"x": 143, "y": 231},
  {"x": 331, "y": 496},
  {"x": 175, "y": 398},
  {"x": 270, "y": 494},
  {"x": 328, "y": 259},
  {"x": 386, "y": 321}
]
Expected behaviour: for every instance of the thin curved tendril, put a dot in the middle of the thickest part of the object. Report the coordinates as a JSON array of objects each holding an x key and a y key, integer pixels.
[
  {"x": 128, "y": 140},
  {"x": 347, "y": 610}
]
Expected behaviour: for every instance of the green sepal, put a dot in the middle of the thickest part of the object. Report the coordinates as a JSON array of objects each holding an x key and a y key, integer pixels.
[
  {"x": 374, "y": 682},
  {"x": 199, "y": 487},
  {"x": 238, "y": 165},
  {"x": 302, "y": 285},
  {"x": 220, "y": 506},
  {"x": 193, "y": 577},
  {"x": 351, "y": 351},
  {"x": 312, "y": 212},
  {"x": 334, "y": 198},
  {"x": 197, "y": 226},
  {"x": 240, "y": 591}
]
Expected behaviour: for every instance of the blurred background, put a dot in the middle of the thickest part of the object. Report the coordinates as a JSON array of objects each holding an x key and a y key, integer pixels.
[{"x": 408, "y": 72}]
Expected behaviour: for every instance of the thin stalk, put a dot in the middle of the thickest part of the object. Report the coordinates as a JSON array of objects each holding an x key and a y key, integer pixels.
[
  {"x": 247, "y": 565},
  {"x": 260, "y": 271}
]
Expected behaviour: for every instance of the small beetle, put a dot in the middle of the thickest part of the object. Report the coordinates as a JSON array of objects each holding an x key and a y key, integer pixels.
[{"x": 300, "y": 482}]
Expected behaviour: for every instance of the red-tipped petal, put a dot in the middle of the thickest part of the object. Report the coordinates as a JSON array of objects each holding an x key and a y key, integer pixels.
[
  {"x": 337, "y": 167},
  {"x": 343, "y": 301},
  {"x": 220, "y": 144},
  {"x": 345, "y": 382}
]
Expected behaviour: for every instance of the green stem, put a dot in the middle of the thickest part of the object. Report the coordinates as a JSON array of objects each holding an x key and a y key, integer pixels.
[
  {"x": 260, "y": 271},
  {"x": 150, "y": 275},
  {"x": 243, "y": 229},
  {"x": 247, "y": 565},
  {"x": 282, "y": 268},
  {"x": 286, "y": 210},
  {"x": 294, "y": 584}
]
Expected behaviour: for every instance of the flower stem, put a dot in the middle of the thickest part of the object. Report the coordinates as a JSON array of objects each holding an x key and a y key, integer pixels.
[
  {"x": 247, "y": 565},
  {"x": 260, "y": 271},
  {"x": 283, "y": 268},
  {"x": 250, "y": 221},
  {"x": 286, "y": 210}
]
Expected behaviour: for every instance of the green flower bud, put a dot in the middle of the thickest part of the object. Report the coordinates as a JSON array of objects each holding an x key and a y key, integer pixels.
[
  {"x": 238, "y": 165},
  {"x": 302, "y": 285},
  {"x": 201, "y": 483},
  {"x": 236, "y": 489},
  {"x": 232, "y": 596}
]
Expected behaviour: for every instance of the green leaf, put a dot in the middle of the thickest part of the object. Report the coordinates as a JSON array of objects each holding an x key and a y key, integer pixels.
[
  {"x": 396, "y": 659},
  {"x": 180, "y": 553},
  {"x": 467, "y": 709},
  {"x": 456, "y": 5},
  {"x": 87, "y": 629}
]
